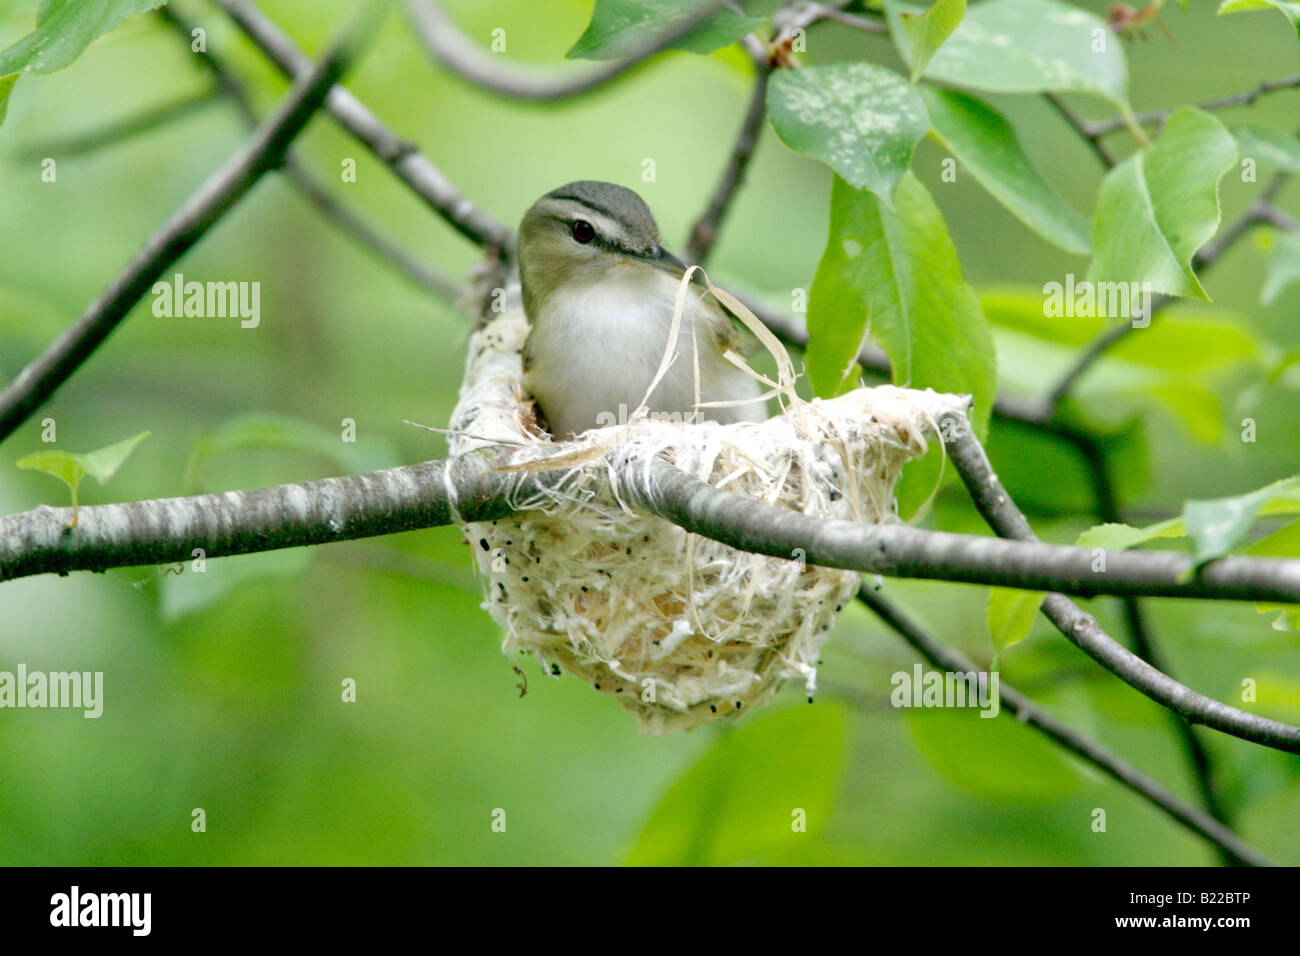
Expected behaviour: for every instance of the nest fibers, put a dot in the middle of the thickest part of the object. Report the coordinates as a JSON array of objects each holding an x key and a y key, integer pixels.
[{"x": 680, "y": 629}]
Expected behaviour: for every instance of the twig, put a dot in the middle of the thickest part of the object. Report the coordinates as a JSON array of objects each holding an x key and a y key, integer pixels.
[
  {"x": 1027, "y": 712},
  {"x": 448, "y": 44},
  {"x": 1081, "y": 127},
  {"x": 705, "y": 232},
  {"x": 1158, "y": 117},
  {"x": 263, "y": 152},
  {"x": 1144, "y": 643},
  {"x": 124, "y": 129},
  {"x": 400, "y": 156},
  {"x": 1082, "y": 630},
  {"x": 348, "y": 222}
]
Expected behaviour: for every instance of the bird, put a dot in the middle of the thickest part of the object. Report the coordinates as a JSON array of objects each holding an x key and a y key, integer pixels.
[{"x": 598, "y": 290}]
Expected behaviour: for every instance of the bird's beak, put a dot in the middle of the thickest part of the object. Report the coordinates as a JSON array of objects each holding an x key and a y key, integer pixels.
[{"x": 662, "y": 259}]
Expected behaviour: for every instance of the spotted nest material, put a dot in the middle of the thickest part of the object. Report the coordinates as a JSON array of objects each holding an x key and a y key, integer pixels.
[{"x": 680, "y": 629}]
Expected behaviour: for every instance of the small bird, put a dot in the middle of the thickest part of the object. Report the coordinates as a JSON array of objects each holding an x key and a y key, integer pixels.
[{"x": 599, "y": 290}]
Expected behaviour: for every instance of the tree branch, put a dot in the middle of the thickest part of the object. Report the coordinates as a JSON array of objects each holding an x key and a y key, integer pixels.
[
  {"x": 1158, "y": 117},
  {"x": 1082, "y": 128},
  {"x": 1030, "y": 714},
  {"x": 264, "y": 151},
  {"x": 1082, "y": 629},
  {"x": 401, "y": 157},
  {"x": 449, "y": 45},
  {"x": 705, "y": 232},
  {"x": 348, "y": 222}
]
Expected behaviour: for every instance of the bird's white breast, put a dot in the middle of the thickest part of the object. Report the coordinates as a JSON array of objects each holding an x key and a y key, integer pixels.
[{"x": 604, "y": 343}]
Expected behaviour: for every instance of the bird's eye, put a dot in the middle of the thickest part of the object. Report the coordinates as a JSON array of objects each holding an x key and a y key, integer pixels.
[{"x": 583, "y": 231}]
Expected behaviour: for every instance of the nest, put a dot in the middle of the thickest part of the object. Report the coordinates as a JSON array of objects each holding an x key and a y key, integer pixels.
[{"x": 680, "y": 629}]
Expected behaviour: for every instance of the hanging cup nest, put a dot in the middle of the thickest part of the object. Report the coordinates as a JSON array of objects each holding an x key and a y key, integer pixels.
[{"x": 680, "y": 629}]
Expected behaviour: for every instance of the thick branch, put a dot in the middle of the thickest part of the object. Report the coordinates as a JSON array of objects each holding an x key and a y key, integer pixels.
[
  {"x": 1082, "y": 629},
  {"x": 403, "y": 158},
  {"x": 448, "y": 44},
  {"x": 263, "y": 152},
  {"x": 1030, "y": 714}
]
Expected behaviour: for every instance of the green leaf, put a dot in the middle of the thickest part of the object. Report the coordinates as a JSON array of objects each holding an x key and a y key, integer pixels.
[
  {"x": 6, "y": 89},
  {"x": 71, "y": 468},
  {"x": 1118, "y": 537},
  {"x": 1283, "y": 543},
  {"x": 735, "y": 804},
  {"x": 1288, "y": 8},
  {"x": 1029, "y": 46},
  {"x": 284, "y": 433},
  {"x": 619, "y": 28},
  {"x": 1275, "y": 150},
  {"x": 64, "y": 29},
  {"x": 984, "y": 142},
  {"x": 1159, "y": 206},
  {"x": 1217, "y": 526},
  {"x": 860, "y": 119},
  {"x": 896, "y": 272},
  {"x": 1283, "y": 266},
  {"x": 185, "y": 590},
  {"x": 996, "y": 759},
  {"x": 927, "y": 31},
  {"x": 1195, "y": 405},
  {"x": 1011, "y": 614}
]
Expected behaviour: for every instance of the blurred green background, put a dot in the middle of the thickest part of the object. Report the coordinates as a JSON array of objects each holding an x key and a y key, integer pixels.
[{"x": 222, "y": 691}]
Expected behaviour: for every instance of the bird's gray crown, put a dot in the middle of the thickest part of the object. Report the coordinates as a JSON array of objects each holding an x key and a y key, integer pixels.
[{"x": 616, "y": 203}]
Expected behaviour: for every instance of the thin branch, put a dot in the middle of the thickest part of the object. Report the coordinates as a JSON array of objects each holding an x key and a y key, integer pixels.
[
  {"x": 1030, "y": 714},
  {"x": 705, "y": 232},
  {"x": 800, "y": 16},
  {"x": 401, "y": 157},
  {"x": 124, "y": 129},
  {"x": 1082, "y": 629},
  {"x": 1081, "y": 127},
  {"x": 1198, "y": 755},
  {"x": 348, "y": 222},
  {"x": 1259, "y": 212},
  {"x": 449, "y": 45},
  {"x": 263, "y": 152},
  {"x": 1158, "y": 117}
]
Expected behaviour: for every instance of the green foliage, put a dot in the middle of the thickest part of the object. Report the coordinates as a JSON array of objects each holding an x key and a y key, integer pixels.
[
  {"x": 1011, "y": 614},
  {"x": 984, "y": 142},
  {"x": 1217, "y": 526},
  {"x": 895, "y": 271},
  {"x": 621, "y": 27},
  {"x": 1267, "y": 147},
  {"x": 1029, "y": 46},
  {"x": 926, "y": 32},
  {"x": 285, "y": 433},
  {"x": 1160, "y": 205},
  {"x": 860, "y": 119},
  {"x": 992, "y": 758},
  {"x": 71, "y": 468},
  {"x": 64, "y": 28},
  {"x": 1288, "y": 8},
  {"x": 1283, "y": 266},
  {"x": 735, "y": 805}
]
